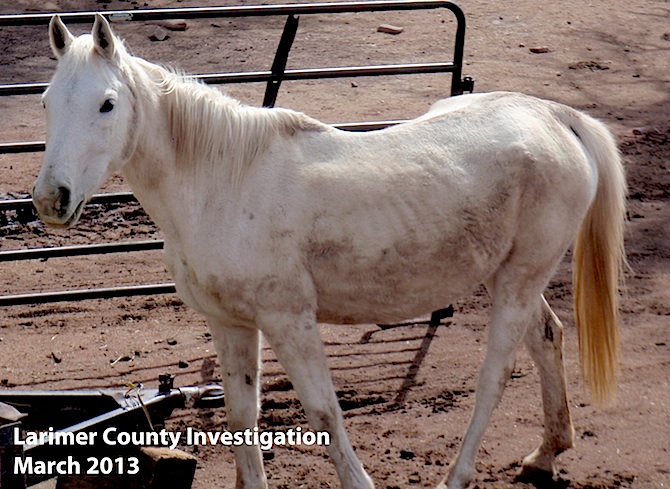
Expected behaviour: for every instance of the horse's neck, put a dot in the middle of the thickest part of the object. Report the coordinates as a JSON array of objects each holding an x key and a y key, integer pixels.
[
  {"x": 199, "y": 127},
  {"x": 151, "y": 169},
  {"x": 195, "y": 143},
  {"x": 187, "y": 145}
]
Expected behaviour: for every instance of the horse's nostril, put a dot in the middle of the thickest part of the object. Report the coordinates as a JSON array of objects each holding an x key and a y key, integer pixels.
[{"x": 63, "y": 199}]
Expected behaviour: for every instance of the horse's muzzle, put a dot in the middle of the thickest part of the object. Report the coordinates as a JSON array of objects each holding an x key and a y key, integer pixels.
[{"x": 56, "y": 208}]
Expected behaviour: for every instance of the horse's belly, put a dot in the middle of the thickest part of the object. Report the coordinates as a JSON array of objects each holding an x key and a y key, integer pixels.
[
  {"x": 379, "y": 304},
  {"x": 400, "y": 285}
]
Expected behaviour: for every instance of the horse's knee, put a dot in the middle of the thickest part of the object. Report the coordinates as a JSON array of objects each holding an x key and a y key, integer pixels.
[{"x": 323, "y": 418}]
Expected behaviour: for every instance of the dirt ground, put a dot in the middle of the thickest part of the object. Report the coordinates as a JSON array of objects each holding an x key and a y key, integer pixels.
[{"x": 407, "y": 394}]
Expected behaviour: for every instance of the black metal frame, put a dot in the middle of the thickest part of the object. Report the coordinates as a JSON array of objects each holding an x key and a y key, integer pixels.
[
  {"x": 132, "y": 409},
  {"x": 273, "y": 78}
]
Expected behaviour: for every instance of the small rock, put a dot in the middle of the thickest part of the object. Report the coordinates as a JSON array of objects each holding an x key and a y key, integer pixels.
[
  {"x": 591, "y": 65},
  {"x": 183, "y": 364},
  {"x": 170, "y": 24},
  {"x": 407, "y": 454},
  {"x": 122, "y": 358},
  {"x": 57, "y": 357},
  {"x": 390, "y": 29},
  {"x": 414, "y": 478},
  {"x": 159, "y": 34},
  {"x": 171, "y": 342},
  {"x": 354, "y": 85},
  {"x": 539, "y": 49},
  {"x": 10, "y": 413}
]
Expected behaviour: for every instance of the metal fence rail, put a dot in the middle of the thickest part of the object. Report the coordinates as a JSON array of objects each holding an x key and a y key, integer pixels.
[
  {"x": 86, "y": 294},
  {"x": 80, "y": 250},
  {"x": 272, "y": 77},
  {"x": 290, "y": 75},
  {"x": 110, "y": 198},
  {"x": 144, "y": 15}
]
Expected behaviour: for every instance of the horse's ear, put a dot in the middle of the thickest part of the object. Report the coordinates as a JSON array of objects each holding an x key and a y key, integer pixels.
[
  {"x": 59, "y": 36},
  {"x": 103, "y": 38}
]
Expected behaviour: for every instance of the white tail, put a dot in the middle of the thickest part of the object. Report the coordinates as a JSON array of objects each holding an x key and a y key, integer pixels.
[{"x": 599, "y": 258}]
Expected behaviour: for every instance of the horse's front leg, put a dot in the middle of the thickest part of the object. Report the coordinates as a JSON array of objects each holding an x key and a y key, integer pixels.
[
  {"x": 296, "y": 341},
  {"x": 239, "y": 351}
]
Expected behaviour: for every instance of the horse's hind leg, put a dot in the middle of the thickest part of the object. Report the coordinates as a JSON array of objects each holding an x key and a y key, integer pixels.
[
  {"x": 509, "y": 320},
  {"x": 297, "y": 343},
  {"x": 544, "y": 342},
  {"x": 516, "y": 304},
  {"x": 239, "y": 352}
]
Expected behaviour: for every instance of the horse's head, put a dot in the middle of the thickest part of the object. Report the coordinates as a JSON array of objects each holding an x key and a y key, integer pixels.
[{"x": 91, "y": 120}]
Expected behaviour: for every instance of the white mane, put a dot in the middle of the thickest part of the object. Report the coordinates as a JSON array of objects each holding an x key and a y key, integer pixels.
[{"x": 209, "y": 127}]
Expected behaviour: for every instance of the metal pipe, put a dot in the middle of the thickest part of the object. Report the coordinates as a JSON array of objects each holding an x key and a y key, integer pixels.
[
  {"x": 110, "y": 198},
  {"x": 24, "y": 147},
  {"x": 227, "y": 11},
  {"x": 79, "y": 250},
  {"x": 86, "y": 294},
  {"x": 265, "y": 76}
]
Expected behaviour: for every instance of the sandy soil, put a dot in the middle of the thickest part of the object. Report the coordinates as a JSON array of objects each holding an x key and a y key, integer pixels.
[{"x": 609, "y": 58}]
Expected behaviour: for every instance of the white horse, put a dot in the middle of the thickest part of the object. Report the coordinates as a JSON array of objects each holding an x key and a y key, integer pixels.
[{"x": 274, "y": 221}]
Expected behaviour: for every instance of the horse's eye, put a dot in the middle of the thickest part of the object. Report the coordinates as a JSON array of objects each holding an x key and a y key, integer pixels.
[{"x": 107, "y": 106}]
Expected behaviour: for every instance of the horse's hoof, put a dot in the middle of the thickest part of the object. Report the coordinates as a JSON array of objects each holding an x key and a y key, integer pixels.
[{"x": 540, "y": 478}]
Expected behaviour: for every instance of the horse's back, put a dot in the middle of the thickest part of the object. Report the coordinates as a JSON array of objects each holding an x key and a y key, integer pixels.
[{"x": 412, "y": 217}]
